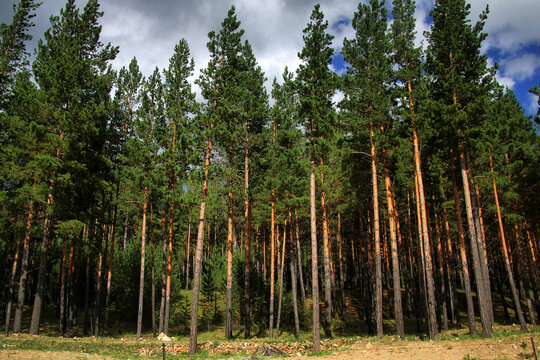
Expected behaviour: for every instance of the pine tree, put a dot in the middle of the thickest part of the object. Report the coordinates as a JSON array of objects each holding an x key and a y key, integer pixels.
[
  {"x": 459, "y": 88},
  {"x": 367, "y": 97},
  {"x": 409, "y": 72},
  {"x": 220, "y": 92},
  {"x": 179, "y": 106},
  {"x": 13, "y": 38},
  {"x": 127, "y": 100},
  {"x": 316, "y": 86},
  {"x": 255, "y": 107},
  {"x": 142, "y": 152},
  {"x": 15, "y": 89},
  {"x": 72, "y": 71}
]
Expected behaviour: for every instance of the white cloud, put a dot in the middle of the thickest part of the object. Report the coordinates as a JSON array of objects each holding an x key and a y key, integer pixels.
[
  {"x": 522, "y": 67},
  {"x": 511, "y": 25},
  {"x": 532, "y": 106},
  {"x": 149, "y": 30}
]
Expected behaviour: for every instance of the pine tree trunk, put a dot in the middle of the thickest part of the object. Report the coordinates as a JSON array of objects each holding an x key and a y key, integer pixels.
[
  {"x": 109, "y": 274},
  {"x": 478, "y": 269},
  {"x": 40, "y": 291},
  {"x": 111, "y": 261},
  {"x": 247, "y": 242},
  {"x": 126, "y": 223},
  {"x": 153, "y": 295},
  {"x": 442, "y": 278},
  {"x": 87, "y": 286},
  {"x": 463, "y": 253},
  {"x": 504, "y": 249},
  {"x": 341, "y": 272},
  {"x": 451, "y": 268},
  {"x": 163, "y": 284},
  {"x": 377, "y": 237},
  {"x": 73, "y": 261},
  {"x": 187, "y": 252},
  {"x": 398, "y": 311},
  {"x": 292, "y": 268},
  {"x": 524, "y": 276},
  {"x": 169, "y": 267},
  {"x": 198, "y": 257},
  {"x": 482, "y": 249},
  {"x": 281, "y": 285},
  {"x": 62, "y": 288},
  {"x": 97, "y": 304},
  {"x": 327, "y": 269},
  {"x": 272, "y": 266},
  {"x": 314, "y": 262},
  {"x": 141, "y": 279},
  {"x": 228, "y": 297},
  {"x": 17, "y": 321},
  {"x": 431, "y": 304},
  {"x": 299, "y": 253},
  {"x": 11, "y": 285}
]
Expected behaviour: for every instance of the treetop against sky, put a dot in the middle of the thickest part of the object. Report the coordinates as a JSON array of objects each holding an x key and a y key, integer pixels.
[{"x": 150, "y": 30}]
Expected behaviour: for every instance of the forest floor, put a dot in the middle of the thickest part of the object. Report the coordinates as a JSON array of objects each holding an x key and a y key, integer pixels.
[{"x": 507, "y": 343}]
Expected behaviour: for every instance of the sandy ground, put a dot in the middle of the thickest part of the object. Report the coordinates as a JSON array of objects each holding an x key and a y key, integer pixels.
[{"x": 512, "y": 347}]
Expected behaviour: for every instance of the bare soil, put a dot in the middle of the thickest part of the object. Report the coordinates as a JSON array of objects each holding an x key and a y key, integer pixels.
[{"x": 511, "y": 347}]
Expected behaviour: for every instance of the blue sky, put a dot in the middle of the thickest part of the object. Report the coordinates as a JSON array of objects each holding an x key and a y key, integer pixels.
[{"x": 150, "y": 29}]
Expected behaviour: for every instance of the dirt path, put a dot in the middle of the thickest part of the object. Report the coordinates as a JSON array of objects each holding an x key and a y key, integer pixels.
[{"x": 511, "y": 347}]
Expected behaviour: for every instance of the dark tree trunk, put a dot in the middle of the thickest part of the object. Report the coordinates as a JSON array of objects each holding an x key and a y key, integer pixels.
[
  {"x": 188, "y": 248},
  {"x": 341, "y": 272},
  {"x": 299, "y": 253},
  {"x": 86, "y": 319},
  {"x": 42, "y": 275},
  {"x": 97, "y": 304},
  {"x": 377, "y": 239},
  {"x": 292, "y": 266},
  {"x": 17, "y": 322},
  {"x": 11, "y": 285},
  {"x": 504, "y": 250},
  {"x": 62, "y": 288},
  {"x": 272, "y": 266}
]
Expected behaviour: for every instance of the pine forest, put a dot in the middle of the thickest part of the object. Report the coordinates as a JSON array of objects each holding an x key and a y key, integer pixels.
[{"x": 397, "y": 198}]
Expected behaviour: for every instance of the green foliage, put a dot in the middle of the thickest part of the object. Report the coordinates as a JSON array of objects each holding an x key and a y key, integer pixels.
[
  {"x": 13, "y": 38},
  {"x": 316, "y": 85}
]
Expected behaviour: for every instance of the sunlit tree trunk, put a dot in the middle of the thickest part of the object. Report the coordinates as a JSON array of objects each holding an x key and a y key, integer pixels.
[
  {"x": 141, "y": 278},
  {"x": 327, "y": 267},
  {"x": 198, "y": 256},
  {"x": 462, "y": 250},
  {"x": 396, "y": 276},
  {"x": 475, "y": 248}
]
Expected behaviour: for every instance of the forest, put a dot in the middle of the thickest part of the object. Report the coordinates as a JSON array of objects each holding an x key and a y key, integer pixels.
[{"x": 399, "y": 197}]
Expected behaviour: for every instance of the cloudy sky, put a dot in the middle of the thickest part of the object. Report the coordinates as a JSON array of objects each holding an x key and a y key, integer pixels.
[{"x": 149, "y": 29}]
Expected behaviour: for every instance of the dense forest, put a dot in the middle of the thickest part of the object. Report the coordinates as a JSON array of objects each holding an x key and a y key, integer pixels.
[{"x": 409, "y": 184}]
